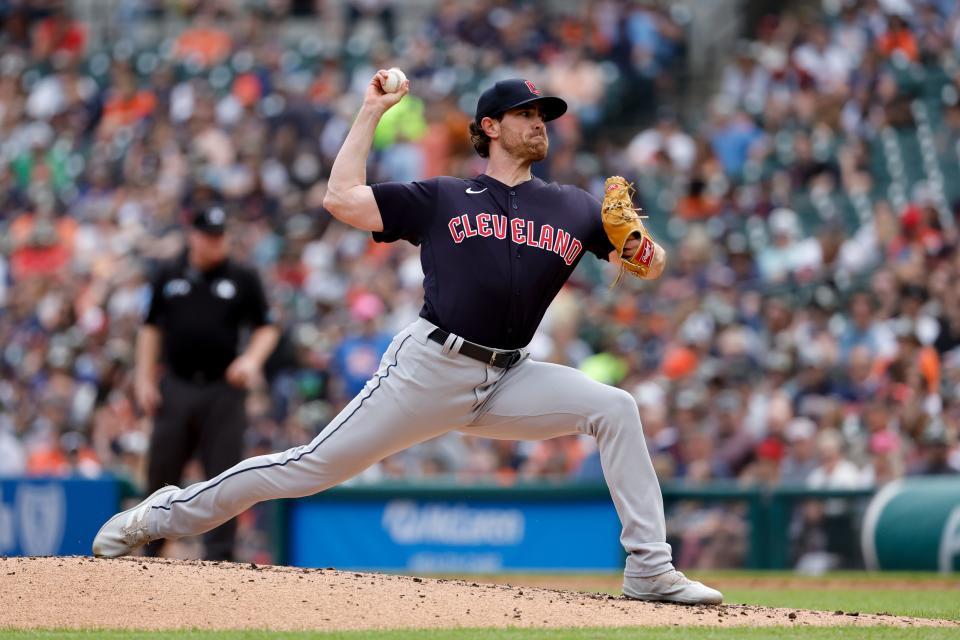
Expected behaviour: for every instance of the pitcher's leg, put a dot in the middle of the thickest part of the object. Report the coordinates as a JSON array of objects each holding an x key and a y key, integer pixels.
[
  {"x": 538, "y": 400},
  {"x": 373, "y": 426}
]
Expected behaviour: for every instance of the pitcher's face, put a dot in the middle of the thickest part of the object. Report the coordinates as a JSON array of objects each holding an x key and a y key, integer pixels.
[{"x": 523, "y": 133}]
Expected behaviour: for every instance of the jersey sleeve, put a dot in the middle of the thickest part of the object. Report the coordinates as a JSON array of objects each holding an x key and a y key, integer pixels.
[
  {"x": 257, "y": 312},
  {"x": 406, "y": 209},
  {"x": 598, "y": 242},
  {"x": 157, "y": 307}
]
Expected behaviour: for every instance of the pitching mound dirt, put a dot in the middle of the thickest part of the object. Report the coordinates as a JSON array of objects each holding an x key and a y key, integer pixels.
[{"x": 144, "y": 593}]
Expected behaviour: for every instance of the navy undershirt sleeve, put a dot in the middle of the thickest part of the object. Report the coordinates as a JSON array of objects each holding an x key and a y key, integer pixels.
[{"x": 406, "y": 209}]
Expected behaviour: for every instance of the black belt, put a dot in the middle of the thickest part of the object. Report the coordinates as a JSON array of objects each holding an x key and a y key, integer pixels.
[{"x": 502, "y": 359}]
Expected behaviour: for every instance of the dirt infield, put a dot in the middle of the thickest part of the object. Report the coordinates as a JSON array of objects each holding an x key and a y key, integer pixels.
[{"x": 146, "y": 593}]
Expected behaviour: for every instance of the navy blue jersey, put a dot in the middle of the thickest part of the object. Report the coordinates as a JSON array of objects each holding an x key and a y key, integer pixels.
[{"x": 493, "y": 256}]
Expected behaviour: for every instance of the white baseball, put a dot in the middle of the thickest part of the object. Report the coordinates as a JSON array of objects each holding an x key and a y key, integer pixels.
[{"x": 395, "y": 79}]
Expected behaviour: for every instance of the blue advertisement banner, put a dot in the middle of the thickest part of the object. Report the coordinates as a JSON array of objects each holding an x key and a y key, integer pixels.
[
  {"x": 44, "y": 517},
  {"x": 404, "y": 534}
]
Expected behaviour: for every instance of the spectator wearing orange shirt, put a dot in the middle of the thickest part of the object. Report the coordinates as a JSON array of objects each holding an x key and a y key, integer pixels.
[
  {"x": 65, "y": 456},
  {"x": 898, "y": 39},
  {"x": 126, "y": 105},
  {"x": 205, "y": 44},
  {"x": 41, "y": 242},
  {"x": 914, "y": 374},
  {"x": 697, "y": 204}
]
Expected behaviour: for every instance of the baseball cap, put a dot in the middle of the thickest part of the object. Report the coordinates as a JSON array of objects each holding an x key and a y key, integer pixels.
[
  {"x": 212, "y": 220},
  {"x": 512, "y": 93}
]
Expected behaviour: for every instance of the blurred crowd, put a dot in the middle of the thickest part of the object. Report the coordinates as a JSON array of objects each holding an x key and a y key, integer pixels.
[
  {"x": 812, "y": 335},
  {"x": 812, "y": 285},
  {"x": 104, "y": 150},
  {"x": 806, "y": 331}
]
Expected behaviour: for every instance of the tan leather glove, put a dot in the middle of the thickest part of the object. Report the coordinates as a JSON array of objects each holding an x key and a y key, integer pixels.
[{"x": 622, "y": 222}]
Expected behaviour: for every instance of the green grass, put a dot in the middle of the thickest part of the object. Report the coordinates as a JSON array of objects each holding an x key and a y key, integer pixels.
[
  {"x": 868, "y": 596},
  {"x": 920, "y": 604},
  {"x": 865, "y": 594},
  {"x": 854, "y": 575},
  {"x": 780, "y": 633}
]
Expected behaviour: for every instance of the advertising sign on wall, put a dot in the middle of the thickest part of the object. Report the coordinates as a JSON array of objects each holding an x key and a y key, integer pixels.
[
  {"x": 407, "y": 533},
  {"x": 44, "y": 517}
]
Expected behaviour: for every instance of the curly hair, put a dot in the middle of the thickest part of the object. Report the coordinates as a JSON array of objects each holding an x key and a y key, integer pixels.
[{"x": 480, "y": 140}]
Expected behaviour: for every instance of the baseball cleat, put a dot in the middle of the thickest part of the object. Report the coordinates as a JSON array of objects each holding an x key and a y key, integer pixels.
[
  {"x": 126, "y": 531},
  {"x": 671, "y": 586}
]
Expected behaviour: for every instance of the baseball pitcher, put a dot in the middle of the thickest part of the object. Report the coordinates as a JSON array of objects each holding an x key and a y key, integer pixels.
[{"x": 495, "y": 250}]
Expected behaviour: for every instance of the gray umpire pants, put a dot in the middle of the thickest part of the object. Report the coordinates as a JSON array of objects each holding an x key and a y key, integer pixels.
[{"x": 423, "y": 390}]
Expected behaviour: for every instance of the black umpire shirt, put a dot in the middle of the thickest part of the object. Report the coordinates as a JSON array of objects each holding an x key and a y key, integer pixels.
[
  {"x": 493, "y": 256},
  {"x": 202, "y": 313}
]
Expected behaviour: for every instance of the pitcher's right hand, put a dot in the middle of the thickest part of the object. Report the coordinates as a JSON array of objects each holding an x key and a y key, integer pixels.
[{"x": 380, "y": 100}]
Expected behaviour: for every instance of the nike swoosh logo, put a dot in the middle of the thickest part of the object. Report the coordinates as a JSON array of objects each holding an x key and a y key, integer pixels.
[{"x": 473, "y": 193}]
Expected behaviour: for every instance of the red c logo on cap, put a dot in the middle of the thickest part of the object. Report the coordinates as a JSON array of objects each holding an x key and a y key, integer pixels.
[{"x": 532, "y": 87}]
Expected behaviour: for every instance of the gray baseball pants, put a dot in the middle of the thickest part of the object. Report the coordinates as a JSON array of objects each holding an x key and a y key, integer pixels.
[{"x": 423, "y": 390}]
